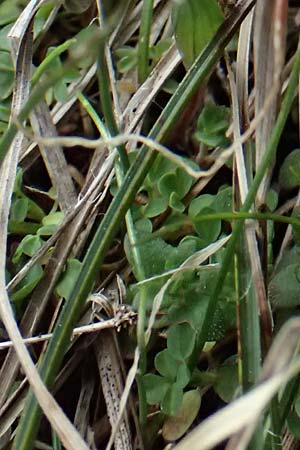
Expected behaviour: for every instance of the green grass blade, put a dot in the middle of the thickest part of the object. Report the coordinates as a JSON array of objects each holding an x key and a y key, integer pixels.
[{"x": 144, "y": 39}]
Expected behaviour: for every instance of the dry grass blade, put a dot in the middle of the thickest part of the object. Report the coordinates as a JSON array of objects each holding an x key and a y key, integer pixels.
[
  {"x": 112, "y": 386},
  {"x": 54, "y": 158},
  {"x": 242, "y": 176},
  {"x": 269, "y": 51},
  {"x": 244, "y": 412},
  {"x": 143, "y": 97},
  {"x": 81, "y": 419}
]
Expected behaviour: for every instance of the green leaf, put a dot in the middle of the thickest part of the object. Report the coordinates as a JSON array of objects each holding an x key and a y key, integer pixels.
[
  {"x": 297, "y": 405},
  {"x": 155, "y": 207},
  {"x": 227, "y": 380},
  {"x": 285, "y": 286},
  {"x": 77, "y": 6},
  {"x": 207, "y": 231},
  {"x": 166, "y": 365},
  {"x": 199, "y": 203},
  {"x": 54, "y": 218},
  {"x": 293, "y": 423},
  {"x": 29, "y": 282},
  {"x": 69, "y": 278},
  {"x": 212, "y": 125},
  {"x": 175, "y": 426},
  {"x": 41, "y": 17},
  {"x": 127, "y": 63},
  {"x": 6, "y": 75},
  {"x": 186, "y": 247},
  {"x": 29, "y": 245},
  {"x": 158, "y": 49},
  {"x": 156, "y": 388},
  {"x": 172, "y": 400},
  {"x": 223, "y": 200},
  {"x": 9, "y": 12},
  {"x": 289, "y": 174},
  {"x": 160, "y": 167},
  {"x": 175, "y": 203},
  {"x": 272, "y": 199},
  {"x": 181, "y": 340},
  {"x": 153, "y": 251},
  {"x": 183, "y": 374},
  {"x": 178, "y": 181},
  {"x": 4, "y": 42},
  {"x": 19, "y": 208},
  {"x": 195, "y": 22}
]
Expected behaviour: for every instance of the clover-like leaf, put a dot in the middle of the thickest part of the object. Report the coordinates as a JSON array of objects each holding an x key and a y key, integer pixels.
[
  {"x": 227, "y": 380},
  {"x": 183, "y": 375},
  {"x": 26, "y": 286},
  {"x": 29, "y": 245},
  {"x": 212, "y": 125},
  {"x": 208, "y": 231},
  {"x": 69, "y": 278},
  {"x": 172, "y": 400},
  {"x": 155, "y": 207},
  {"x": 289, "y": 174},
  {"x": 181, "y": 340},
  {"x": 166, "y": 365},
  {"x": 175, "y": 426},
  {"x": 284, "y": 287},
  {"x": 156, "y": 387},
  {"x": 19, "y": 209}
]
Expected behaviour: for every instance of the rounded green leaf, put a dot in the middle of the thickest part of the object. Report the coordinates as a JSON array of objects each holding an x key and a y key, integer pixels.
[
  {"x": 6, "y": 75},
  {"x": 156, "y": 388},
  {"x": 69, "y": 277},
  {"x": 181, "y": 340},
  {"x": 29, "y": 282},
  {"x": 293, "y": 423},
  {"x": 172, "y": 400},
  {"x": 178, "y": 181},
  {"x": 289, "y": 175},
  {"x": 175, "y": 426},
  {"x": 19, "y": 209},
  {"x": 199, "y": 203},
  {"x": 175, "y": 203},
  {"x": 54, "y": 218},
  {"x": 155, "y": 207},
  {"x": 227, "y": 380},
  {"x": 183, "y": 375},
  {"x": 207, "y": 231},
  {"x": 284, "y": 288},
  {"x": 29, "y": 245},
  {"x": 166, "y": 365}
]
